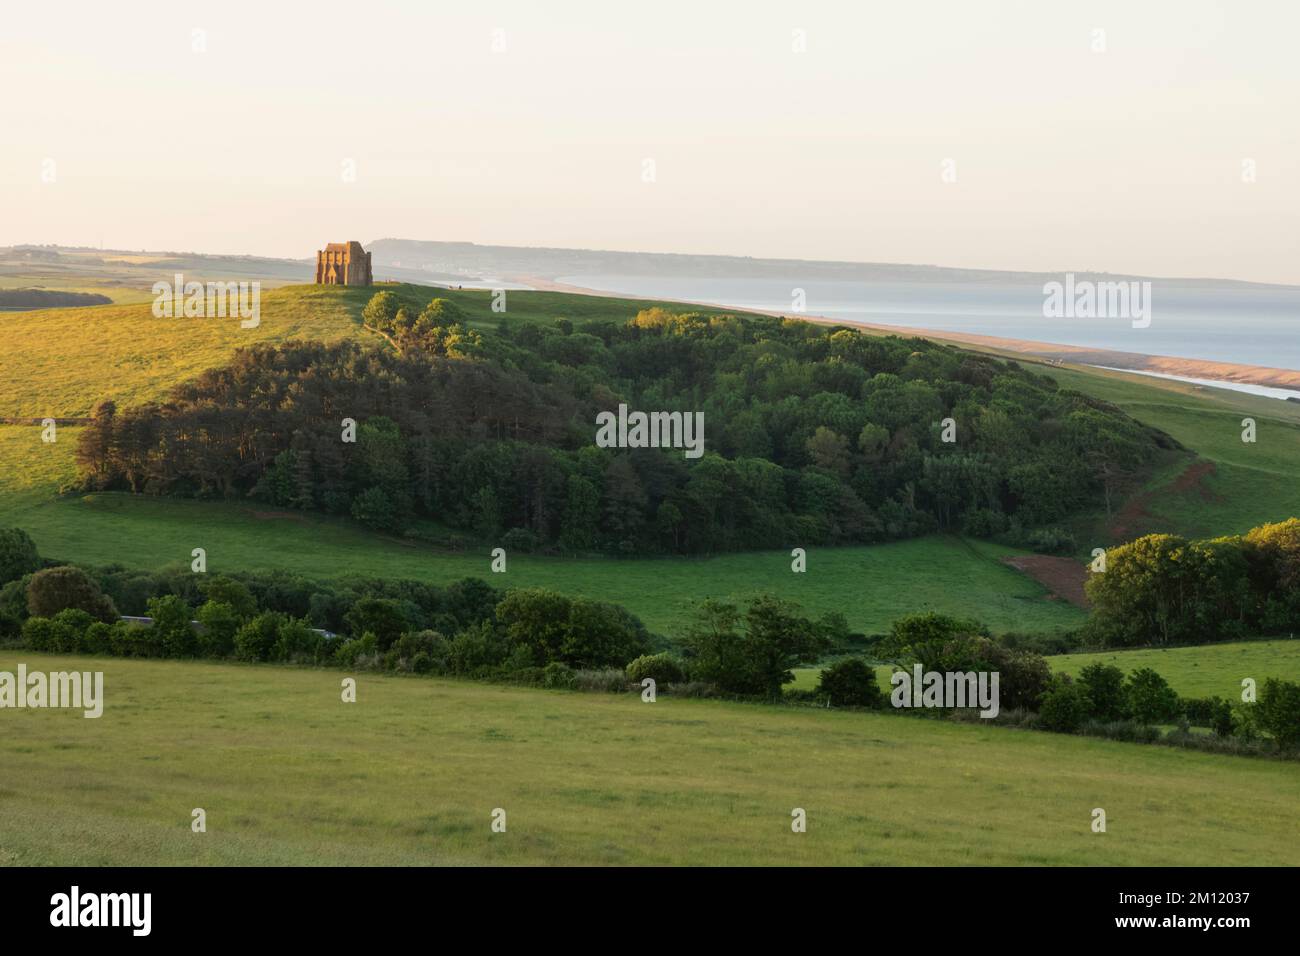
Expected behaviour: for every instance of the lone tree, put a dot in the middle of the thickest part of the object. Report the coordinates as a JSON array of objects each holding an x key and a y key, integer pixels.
[{"x": 57, "y": 589}]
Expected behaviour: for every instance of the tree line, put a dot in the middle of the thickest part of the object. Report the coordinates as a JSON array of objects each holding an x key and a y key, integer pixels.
[
  {"x": 535, "y": 636},
  {"x": 1164, "y": 589},
  {"x": 813, "y": 435}
]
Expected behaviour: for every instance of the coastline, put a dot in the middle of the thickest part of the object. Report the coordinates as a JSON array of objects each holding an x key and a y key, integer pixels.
[{"x": 1164, "y": 365}]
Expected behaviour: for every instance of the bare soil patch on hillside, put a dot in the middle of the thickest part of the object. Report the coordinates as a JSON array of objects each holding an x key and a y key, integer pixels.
[{"x": 1063, "y": 577}]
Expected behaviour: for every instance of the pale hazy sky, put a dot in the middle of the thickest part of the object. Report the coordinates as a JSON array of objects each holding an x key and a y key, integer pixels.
[{"x": 1128, "y": 160}]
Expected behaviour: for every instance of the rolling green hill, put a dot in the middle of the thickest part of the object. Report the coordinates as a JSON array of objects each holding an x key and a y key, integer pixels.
[
  {"x": 61, "y": 362},
  {"x": 1238, "y": 485},
  {"x": 412, "y": 772},
  {"x": 870, "y": 585}
]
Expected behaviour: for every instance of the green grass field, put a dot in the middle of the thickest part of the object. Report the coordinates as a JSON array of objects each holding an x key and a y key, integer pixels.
[
  {"x": 1251, "y": 483},
  {"x": 870, "y": 585},
  {"x": 1204, "y": 671},
  {"x": 411, "y": 773},
  {"x": 64, "y": 361}
]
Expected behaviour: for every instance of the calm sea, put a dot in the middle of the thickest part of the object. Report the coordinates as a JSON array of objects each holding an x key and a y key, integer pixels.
[{"x": 1252, "y": 325}]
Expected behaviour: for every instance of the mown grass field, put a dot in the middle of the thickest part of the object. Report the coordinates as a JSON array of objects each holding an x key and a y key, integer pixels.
[
  {"x": 1204, "y": 671},
  {"x": 411, "y": 773}
]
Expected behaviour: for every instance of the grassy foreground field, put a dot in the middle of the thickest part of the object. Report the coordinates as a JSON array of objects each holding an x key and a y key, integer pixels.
[{"x": 411, "y": 773}]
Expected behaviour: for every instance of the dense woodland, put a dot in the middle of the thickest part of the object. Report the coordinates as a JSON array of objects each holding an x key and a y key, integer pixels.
[
  {"x": 1163, "y": 589},
  {"x": 813, "y": 434}
]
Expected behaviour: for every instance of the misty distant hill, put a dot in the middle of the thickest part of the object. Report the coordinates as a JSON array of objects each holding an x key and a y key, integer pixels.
[{"x": 409, "y": 258}]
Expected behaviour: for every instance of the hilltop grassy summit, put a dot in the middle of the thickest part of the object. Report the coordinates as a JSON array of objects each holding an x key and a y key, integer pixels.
[{"x": 62, "y": 362}]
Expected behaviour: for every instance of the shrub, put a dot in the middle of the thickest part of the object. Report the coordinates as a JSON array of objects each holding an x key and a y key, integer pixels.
[
  {"x": 755, "y": 659},
  {"x": 1129, "y": 731},
  {"x": 530, "y": 676},
  {"x": 172, "y": 629},
  {"x": 558, "y": 676},
  {"x": 1103, "y": 686},
  {"x": 1245, "y": 722},
  {"x": 73, "y": 623},
  {"x": 18, "y": 555},
  {"x": 909, "y": 634},
  {"x": 61, "y": 634},
  {"x": 607, "y": 680},
  {"x": 661, "y": 668},
  {"x": 255, "y": 640},
  {"x": 54, "y": 589},
  {"x": 13, "y": 607},
  {"x": 358, "y": 651},
  {"x": 1212, "y": 712},
  {"x": 1278, "y": 711},
  {"x": 382, "y": 617},
  {"x": 1221, "y": 717},
  {"x": 1064, "y": 705},
  {"x": 98, "y": 638},
  {"x": 423, "y": 651},
  {"x": 850, "y": 683},
  {"x": 1051, "y": 541},
  {"x": 1149, "y": 697},
  {"x": 219, "y": 623},
  {"x": 296, "y": 641},
  {"x": 983, "y": 523},
  {"x": 40, "y": 634},
  {"x": 476, "y": 651},
  {"x": 694, "y": 688},
  {"x": 234, "y": 594}
]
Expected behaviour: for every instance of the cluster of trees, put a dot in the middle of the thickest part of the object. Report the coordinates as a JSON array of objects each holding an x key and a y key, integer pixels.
[
  {"x": 540, "y": 637},
  {"x": 1105, "y": 698},
  {"x": 1102, "y": 700},
  {"x": 466, "y": 628},
  {"x": 1163, "y": 589},
  {"x": 813, "y": 435}
]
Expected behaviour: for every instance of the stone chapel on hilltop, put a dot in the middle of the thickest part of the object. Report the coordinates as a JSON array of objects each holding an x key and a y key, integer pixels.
[{"x": 343, "y": 263}]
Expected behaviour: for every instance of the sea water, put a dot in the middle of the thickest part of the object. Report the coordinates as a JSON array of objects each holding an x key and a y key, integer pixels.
[{"x": 1198, "y": 319}]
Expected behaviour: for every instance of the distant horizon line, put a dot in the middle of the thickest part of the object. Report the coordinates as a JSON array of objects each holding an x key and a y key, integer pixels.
[{"x": 653, "y": 254}]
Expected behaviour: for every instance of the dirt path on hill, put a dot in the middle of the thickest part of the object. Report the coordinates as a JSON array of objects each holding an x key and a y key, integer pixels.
[{"x": 1135, "y": 517}]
